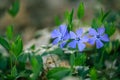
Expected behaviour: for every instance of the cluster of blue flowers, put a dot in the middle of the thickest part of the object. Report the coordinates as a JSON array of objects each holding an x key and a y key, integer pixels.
[{"x": 79, "y": 38}]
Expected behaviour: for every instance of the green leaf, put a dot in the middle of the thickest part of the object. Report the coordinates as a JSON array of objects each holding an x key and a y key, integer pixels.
[
  {"x": 37, "y": 65},
  {"x": 110, "y": 28},
  {"x": 66, "y": 15},
  {"x": 57, "y": 51},
  {"x": 70, "y": 19},
  {"x": 23, "y": 58},
  {"x": 83, "y": 71},
  {"x": 4, "y": 43},
  {"x": 13, "y": 11},
  {"x": 80, "y": 59},
  {"x": 72, "y": 60},
  {"x": 58, "y": 73},
  {"x": 80, "y": 12},
  {"x": 40, "y": 61},
  {"x": 34, "y": 63},
  {"x": 14, "y": 72},
  {"x": 57, "y": 21},
  {"x": 96, "y": 23},
  {"x": 9, "y": 32},
  {"x": 17, "y": 47},
  {"x": 71, "y": 16},
  {"x": 3, "y": 62},
  {"x": 105, "y": 16},
  {"x": 93, "y": 74}
]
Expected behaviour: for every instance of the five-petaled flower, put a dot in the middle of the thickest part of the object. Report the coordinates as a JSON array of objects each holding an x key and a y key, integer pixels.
[
  {"x": 98, "y": 36},
  {"x": 60, "y": 35},
  {"x": 78, "y": 40}
]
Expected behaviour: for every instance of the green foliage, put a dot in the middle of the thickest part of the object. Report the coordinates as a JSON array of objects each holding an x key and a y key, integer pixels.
[
  {"x": 37, "y": 65},
  {"x": 13, "y": 72},
  {"x": 58, "y": 73},
  {"x": 93, "y": 74},
  {"x": 23, "y": 57},
  {"x": 100, "y": 19},
  {"x": 72, "y": 60},
  {"x": 57, "y": 21},
  {"x": 17, "y": 47},
  {"x": 3, "y": 62},
  {"x": 80, "y": 12},
  {"x": 80, "y": 59},
  {"x": 13, "y": 11},
  {"x": 83, "y": 71},
  {"x": 4, "y": 43},
  {"x": 9, "y": 32},
  {"x": 110, "y": 28},
  {"x": 70, "y": 19}
]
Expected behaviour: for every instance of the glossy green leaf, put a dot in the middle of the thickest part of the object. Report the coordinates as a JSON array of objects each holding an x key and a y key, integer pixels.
[
  {"x": 4, "y": 43},
  {"x": 110, "y": 28},
  {"x": 58, "y": 73},
  {"x": 105, "y": 16},
  {"x": 9, "y": 32},
  {"x": 80, "y": 12},
  {"x": 37, "y": 65},
  {"x": 70, "y": 19},
  {"x": 17, "y": 47},
  {"x": 13, "y": 11}
]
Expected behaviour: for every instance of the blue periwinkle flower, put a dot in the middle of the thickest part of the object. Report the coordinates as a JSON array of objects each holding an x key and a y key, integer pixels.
[
  {"x": 60, "y": 35},
  {"x": 78, "y": 40},
  {"x": 98, "y": 36}
]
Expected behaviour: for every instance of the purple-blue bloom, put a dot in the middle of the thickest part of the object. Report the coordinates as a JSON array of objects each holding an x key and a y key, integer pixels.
[
  {"x": 98, "y": 36},
  {"x": 78, "y": 40},
  {"x": 60, "y": 35}
]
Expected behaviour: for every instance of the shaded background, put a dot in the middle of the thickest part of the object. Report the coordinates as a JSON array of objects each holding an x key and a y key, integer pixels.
[{"x": 35, "y": 15}]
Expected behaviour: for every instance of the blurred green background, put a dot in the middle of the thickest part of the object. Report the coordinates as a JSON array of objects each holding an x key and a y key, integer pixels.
[{"x": 38, "y": 14}]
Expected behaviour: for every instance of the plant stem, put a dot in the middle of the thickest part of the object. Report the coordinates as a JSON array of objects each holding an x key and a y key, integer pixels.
[{"x": 101, "y": 59}]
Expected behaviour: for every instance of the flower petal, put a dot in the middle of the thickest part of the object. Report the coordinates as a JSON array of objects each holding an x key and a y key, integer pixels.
[
  {"x": 56, "y": 41},
  {"x": 99, "y": 44},
  {"x": 55, "y": 33},
  {"x": 81, "y": 46},
  {"x": 92, "y": 32},
  {"x": 79, "y": 32},
  {"x": 104, "y": 38},
  {"x": 84, "y": 39},
  {"x": 62, "y": 44},
  {"x": 66, "y": 36},
  {"x": 63, "y": 29},
  {"x": 92, "y": 40},
  {"x": 72, "y": 35},
  {"x": 101, "y": 30},
  {"x": 72, "y": 44}
]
